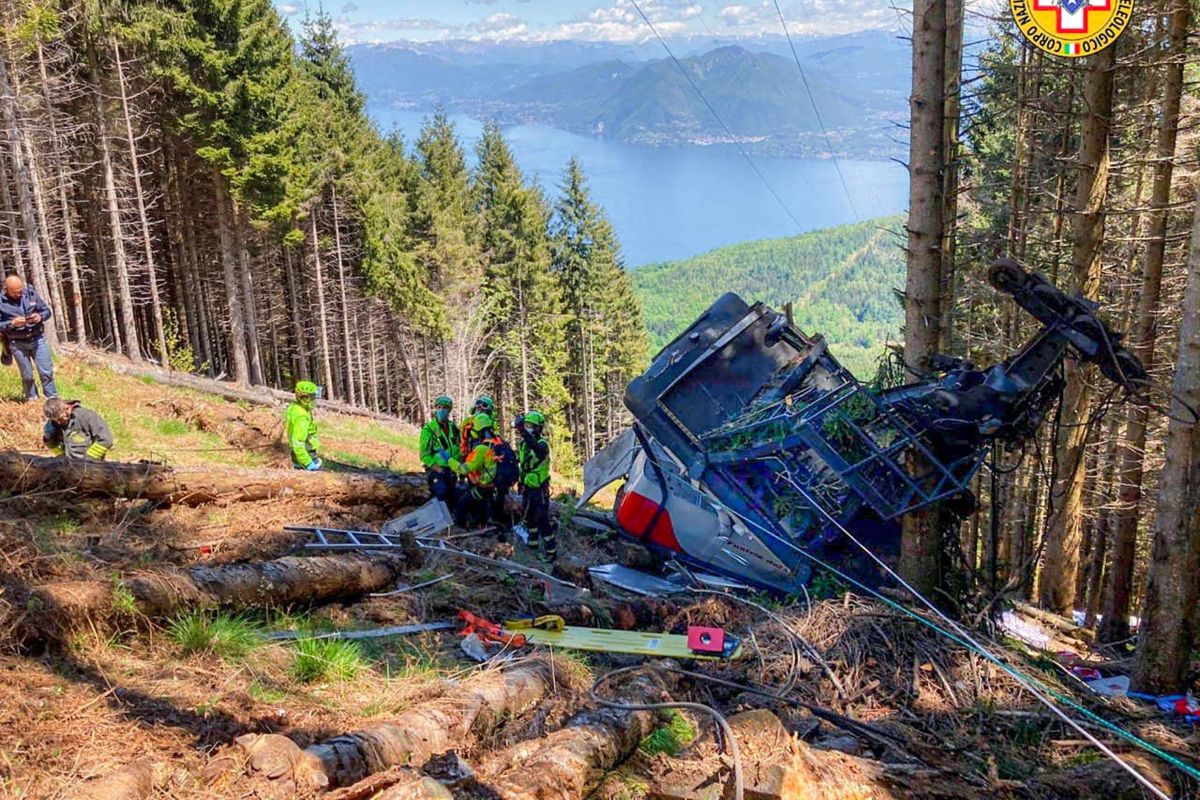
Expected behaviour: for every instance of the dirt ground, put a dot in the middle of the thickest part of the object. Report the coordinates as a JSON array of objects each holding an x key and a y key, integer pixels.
[{"x": 122, "y": 688}]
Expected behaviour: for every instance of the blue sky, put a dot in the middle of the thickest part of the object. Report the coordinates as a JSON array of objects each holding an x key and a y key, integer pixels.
[{"x": 594, "y": 20}]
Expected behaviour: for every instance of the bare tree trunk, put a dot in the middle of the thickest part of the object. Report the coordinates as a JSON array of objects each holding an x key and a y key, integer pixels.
[
  {"x": 50, "y": 260},
  {"x": 192, "y": 262},
  {"x": 951, "y": 120},
  {"x": 143, "y": 220},
  {"x": 1056, "y": 587},
  {"x": 233, "y": 286},
  {"x": 64, "y": 204},
  {"x": 920, "y": 553},
  {"x": 1115, "y": 625},
  {"x": 21, "y": 169},
  {"x": 322, "y": 314},
  {"x": 299, "y": 363},
  {"x": 1169, "y": 613},
  {"x": 245, "y": 280},
  {"x": 351, "y": 395},
  {"x": 6, "y": 181},
  {"x": 128, "y": 325}
]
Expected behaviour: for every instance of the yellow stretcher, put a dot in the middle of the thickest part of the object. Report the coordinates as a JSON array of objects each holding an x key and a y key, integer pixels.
[{"x": 704, "y": 644}]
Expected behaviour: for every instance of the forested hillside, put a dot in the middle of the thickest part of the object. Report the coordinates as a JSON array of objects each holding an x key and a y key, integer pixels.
[
  {"x": 1082, "y": 169},
  {"x": 841, "y": 282},
  {"x": 187, "y": 183}
]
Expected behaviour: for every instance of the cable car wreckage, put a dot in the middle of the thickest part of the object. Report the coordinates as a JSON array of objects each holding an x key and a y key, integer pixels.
[{"x": 755, "y": 454}]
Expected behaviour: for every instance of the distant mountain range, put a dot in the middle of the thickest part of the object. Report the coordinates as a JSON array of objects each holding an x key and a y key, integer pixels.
[{"x": 859, "y": 81}]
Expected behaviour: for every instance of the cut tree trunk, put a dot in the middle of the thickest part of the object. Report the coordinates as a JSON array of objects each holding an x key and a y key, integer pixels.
[
  {"x": 20, "y": 472},
  {"x": 135, "y": 782},
  {"x": 572, "y": 761},
  {"x": 259, "y": 395},
  {"x": 53, "y": 609},
  {"x": 450, "y": 722}
]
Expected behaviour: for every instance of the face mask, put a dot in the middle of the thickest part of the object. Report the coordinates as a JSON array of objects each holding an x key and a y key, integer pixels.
[{"x": 442, "y": 414}]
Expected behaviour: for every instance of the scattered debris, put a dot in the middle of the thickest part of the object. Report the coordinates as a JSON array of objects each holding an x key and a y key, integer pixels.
[
  {"x": 375, "y": 633},
  {"x": 428, "y": 520},
  {"x": 414, "y": 587},
  {"x": 632, "y": 580},
  {"x": 342, "y": 539},
  {"x": 557, "y": 590}
]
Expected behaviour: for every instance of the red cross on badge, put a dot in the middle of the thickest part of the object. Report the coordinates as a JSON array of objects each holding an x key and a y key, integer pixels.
[{"x": 1072, "y": 14}]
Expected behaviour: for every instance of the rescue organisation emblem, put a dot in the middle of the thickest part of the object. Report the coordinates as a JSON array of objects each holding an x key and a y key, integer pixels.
[{"x": 1071, "y": 28}]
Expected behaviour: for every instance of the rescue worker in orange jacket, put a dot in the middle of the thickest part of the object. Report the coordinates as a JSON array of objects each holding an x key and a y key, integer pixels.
[
  {"x": 481, "y": 467},
  {"x": 467, "y": 433}
]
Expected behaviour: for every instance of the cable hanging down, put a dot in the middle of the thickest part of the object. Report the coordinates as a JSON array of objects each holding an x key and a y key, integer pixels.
[
  {"x": 808, "y": 90},
  {"x": 717, "y": 117}
]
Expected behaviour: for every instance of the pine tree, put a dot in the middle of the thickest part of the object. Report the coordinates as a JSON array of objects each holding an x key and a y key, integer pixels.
[{"x": 605, "y": 335}]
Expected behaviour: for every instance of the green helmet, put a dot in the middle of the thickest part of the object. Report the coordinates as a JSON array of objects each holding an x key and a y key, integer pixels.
[
  {"x": 443, "y": 401},
  {"x": 483, "y": 422},
  {"x": 535, "y": 418},
  {"x": 307, "y": 389},
  {"x": 485, "y": 404}
]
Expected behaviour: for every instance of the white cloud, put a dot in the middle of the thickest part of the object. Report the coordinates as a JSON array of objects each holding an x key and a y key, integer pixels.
[
  {"x": 619, "y": 21},
  {"x": 289, "y": 9},
  {"x": 382, "y": 30},
  {"x": 500, "y": 26}
]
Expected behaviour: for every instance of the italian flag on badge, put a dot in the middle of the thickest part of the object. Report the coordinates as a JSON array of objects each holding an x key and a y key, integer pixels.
[{"x": 1070, "y": 49}]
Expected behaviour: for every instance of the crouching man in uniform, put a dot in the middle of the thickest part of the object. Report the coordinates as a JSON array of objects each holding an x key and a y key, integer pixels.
[{"x": 75, "y": 432}]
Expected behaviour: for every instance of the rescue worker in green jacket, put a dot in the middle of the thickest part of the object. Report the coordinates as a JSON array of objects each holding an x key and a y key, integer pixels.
[
  {"x": 75, "y": 432},
  {"x": 533, "y": 461},
  {"x": 481, "y": 467},
  {"x": 301, "y": 429},
  {"x": 439, "y": 452}
]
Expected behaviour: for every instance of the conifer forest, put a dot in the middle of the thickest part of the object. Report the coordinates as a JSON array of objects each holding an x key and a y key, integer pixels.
[
  {"x": 192, "y": 186},
  {"x": 244, "y": 585},
  {"x": 1084, "y": 170}
]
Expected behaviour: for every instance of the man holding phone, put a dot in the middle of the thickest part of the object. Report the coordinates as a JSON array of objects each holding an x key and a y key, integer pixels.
[{"x": 23, "y": 318}]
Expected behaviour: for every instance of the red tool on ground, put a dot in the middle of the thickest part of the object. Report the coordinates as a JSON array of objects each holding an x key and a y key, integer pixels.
[{"x": 489, "y": 631}]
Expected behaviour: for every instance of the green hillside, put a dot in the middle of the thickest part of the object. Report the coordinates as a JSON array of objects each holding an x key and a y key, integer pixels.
[{"x": 839, "y": 279}]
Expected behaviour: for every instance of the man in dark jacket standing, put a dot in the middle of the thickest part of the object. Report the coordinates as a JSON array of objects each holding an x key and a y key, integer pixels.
[
  {"x": 74, "y": 432},
  {"x": 23, "y": 318}
]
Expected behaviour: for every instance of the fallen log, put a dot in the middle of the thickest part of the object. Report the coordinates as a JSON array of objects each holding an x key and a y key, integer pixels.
[
  {"x": 450, "y": 722},
  {"x": 572, "y": 761},
  {"x": 416, "y": 787},
  {"x": 227, "y": 421},
  {"x": 779, "y": 766},
  {"x": 53, "y": 609},
  {"x": 397, "y": 783},
  {"x": 23, "y": 473},
  {"x": 134, "y": 782},
  {"x": 234, "y": 392}
]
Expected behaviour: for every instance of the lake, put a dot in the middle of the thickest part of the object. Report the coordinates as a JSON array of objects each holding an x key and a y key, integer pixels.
[{"x": 667, "y": 203}]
